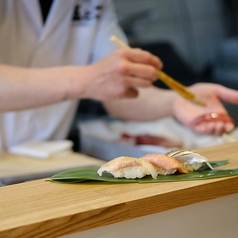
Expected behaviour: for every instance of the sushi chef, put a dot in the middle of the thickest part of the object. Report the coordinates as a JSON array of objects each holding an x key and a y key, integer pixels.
[{"x": 54, "y": 53}]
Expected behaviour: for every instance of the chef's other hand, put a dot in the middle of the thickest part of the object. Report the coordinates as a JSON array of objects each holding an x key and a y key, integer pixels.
[{"x": 194, "y": 116}]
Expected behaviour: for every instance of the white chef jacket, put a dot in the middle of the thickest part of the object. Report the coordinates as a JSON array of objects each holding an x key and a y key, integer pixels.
[{"x": 76, "y": 32}]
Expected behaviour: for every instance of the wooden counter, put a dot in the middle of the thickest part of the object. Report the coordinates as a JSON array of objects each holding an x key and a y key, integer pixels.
[
  {"x": 45, "y": 209},
  {"x": 17, "y": 168}
]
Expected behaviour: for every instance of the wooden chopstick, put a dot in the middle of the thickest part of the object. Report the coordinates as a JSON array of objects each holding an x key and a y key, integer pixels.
[
  {"x": 170, "y": 82},
  {"x": 176, "y": 86}
]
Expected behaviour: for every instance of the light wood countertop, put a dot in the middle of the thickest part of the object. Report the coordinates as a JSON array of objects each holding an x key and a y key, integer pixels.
[
  {"x": 17, "y": 168},
  {"x": 44, "y": 209}
]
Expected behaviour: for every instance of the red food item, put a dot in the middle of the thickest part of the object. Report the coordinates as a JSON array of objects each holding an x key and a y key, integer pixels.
[
  {"x": 213, "y": 117},
  {"x": 152, "y": 140}
]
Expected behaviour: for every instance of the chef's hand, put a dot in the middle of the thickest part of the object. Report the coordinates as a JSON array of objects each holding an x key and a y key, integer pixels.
[
  {"x": 192, "y": 115},
  {"x": 120, "y": 74}
]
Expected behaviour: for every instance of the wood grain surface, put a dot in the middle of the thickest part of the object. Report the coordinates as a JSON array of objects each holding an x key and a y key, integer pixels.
[
  {"x": 16, "y": 168},
  {"x": 45, "y": 209}
]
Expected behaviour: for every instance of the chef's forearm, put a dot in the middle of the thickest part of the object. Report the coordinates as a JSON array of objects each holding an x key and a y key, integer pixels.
[
  {"x": 152, "y": 103},
  {"x": 24, "y": 88}
]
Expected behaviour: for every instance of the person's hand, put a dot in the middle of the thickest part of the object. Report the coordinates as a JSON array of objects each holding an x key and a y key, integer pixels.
[
  {"x": 212, "y": 94},
  {"x": 120, "y": 74}
]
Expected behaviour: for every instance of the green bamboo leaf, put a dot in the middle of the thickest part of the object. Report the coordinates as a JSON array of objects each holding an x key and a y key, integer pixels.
[
  {"x": 214, "y": 164},
  {"x": 90, "y": 174}
]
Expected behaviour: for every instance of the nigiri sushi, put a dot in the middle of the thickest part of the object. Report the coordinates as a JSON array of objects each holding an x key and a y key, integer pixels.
[
  {"x": 189, "y": 159},
  {"x": 128, "y": 167},
  {"x": 164, "y": 164}
]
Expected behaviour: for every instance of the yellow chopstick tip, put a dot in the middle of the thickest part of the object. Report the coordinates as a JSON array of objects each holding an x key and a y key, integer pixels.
[
  {"x": 199, "y": 102},
  {"x": 113, "y": 38}
]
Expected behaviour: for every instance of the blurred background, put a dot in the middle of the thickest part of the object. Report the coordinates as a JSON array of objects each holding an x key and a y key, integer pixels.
[
  {"x": 196, "y": 40},
  {"x": 193, "y": 28}
]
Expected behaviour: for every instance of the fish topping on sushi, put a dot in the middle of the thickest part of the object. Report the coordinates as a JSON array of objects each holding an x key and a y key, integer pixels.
[
  {"x": 164, "y": 164},
  {"x": 189, "y": 159},
  {"x": 182, "y": 161},
  {"x": 128, "y": 167}
]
